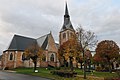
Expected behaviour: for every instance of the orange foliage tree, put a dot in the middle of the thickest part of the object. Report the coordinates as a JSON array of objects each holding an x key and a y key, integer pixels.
[
  {"x": 69, "y": 51},
  {"x": 34, "y": 52},
  {"x": 106, "y": 52}
]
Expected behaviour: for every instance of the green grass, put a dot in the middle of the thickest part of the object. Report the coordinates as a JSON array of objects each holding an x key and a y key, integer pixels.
[
  {"x": 105, "y": 74},
  {"x": 43, "y": 72}
]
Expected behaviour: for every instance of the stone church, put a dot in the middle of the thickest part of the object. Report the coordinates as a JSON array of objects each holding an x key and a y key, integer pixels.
[{"x": 13, "y": 56}]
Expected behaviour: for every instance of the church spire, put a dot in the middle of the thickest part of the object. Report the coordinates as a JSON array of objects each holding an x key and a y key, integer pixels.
[
  {"x": 66, "y": 10},
  {"x": 67, "y": 23},
  {"x": 67, "y": 30}
]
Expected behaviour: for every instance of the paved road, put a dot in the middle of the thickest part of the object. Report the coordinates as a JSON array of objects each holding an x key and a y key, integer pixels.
[{"x": 15, "y": 76}]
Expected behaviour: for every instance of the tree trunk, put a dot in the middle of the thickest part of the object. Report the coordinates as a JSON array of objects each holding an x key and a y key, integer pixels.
[
  {"x": 84, "y": 64},
  {"x": 110, "y": 67},
  {"x": 89, "y": 64},
  {"x": 81, "y": 64},
  {"x": 84, "y": 69},
  {"x": 71, "y": 64},
  {"x": 35, "y": 64}
]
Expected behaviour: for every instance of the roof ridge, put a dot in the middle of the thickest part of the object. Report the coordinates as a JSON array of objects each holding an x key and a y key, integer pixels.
[
  {"x": 43, "y": 36},
  {"x": 19, "y": 42},
  {"x": 23, "y": 36}
]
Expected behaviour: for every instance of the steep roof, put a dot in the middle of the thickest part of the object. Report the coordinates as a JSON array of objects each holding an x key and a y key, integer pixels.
[
  {"x": 20, "y": 42},
  {"x": 67, "y": 23},
  {"x": 66, "y": 10},
  {"x": 43, "y": 41}
]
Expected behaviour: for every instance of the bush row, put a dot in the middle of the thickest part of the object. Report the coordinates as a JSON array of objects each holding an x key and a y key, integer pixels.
[
  {"x": 64, "y": 73},
  {"x": 106, "y": 69}
]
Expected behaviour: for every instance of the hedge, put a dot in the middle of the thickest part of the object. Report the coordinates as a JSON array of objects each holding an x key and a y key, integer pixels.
[{"x": 64, "y": 73}]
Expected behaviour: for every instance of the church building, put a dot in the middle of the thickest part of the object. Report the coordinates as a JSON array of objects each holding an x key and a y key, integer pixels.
[{"x": 13, "y": 56}]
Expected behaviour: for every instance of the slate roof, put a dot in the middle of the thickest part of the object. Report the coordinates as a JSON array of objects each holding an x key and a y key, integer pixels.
[
  {"x": 20, "y": 42},
  {"x": 43, "y": 41},
  {"x": 67, "y": 23}
]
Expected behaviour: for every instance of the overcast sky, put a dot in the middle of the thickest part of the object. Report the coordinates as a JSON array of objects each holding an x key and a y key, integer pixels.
[{"x": 34, "y": 18}]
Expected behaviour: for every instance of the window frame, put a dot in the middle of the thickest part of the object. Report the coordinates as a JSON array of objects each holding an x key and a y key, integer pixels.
[
  {"x": 11, "y": 56},
  {"x": 52, "y": 57}
]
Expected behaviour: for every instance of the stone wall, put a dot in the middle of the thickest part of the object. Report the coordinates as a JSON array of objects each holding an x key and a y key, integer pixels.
[{"x": 16, "y": 60}]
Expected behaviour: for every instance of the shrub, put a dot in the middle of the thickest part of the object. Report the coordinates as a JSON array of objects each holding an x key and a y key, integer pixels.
[
  {"x": 106, "y": 69},
  {"x": 64, "y": 73},
  {"x": 50, "y": 67},
  {"x": 6, "y": 68},
  {"x": 118, "y": 73},
  {"x": 98, "y": 68},
  {"x": 57, "y": 68}
]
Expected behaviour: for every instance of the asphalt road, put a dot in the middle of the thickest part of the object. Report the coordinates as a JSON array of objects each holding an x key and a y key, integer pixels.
[{"x": 14, "y": 76}]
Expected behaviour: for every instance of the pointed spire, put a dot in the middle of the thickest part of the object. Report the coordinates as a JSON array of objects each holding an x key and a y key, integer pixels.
[
  {"x": 66, "y": 10},
  {"x": 67, "y": 23}
]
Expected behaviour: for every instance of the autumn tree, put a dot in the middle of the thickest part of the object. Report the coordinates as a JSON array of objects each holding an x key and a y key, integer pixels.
[
  {"x": 34, "y": 52},
  {"x": 118, "y": 59},
  {"x": 86, "y": 39},
  {"x": 70, "y": 51},
  {"x": 106, "y": 52}
]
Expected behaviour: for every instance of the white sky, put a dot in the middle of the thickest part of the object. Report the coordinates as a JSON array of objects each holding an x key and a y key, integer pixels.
[{"x": 35, "y": 18}]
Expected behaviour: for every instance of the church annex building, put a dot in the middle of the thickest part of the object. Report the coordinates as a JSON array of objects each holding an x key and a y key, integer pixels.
[{"x": 13, "y": 56}]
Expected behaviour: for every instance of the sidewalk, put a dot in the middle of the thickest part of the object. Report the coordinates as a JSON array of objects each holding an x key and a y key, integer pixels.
[{"x": 8, "y": 71}]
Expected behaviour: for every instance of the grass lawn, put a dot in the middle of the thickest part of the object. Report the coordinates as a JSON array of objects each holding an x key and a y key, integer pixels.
[
  {"x": 43, "y": 72},
  {"x": 98, "y": 74}
]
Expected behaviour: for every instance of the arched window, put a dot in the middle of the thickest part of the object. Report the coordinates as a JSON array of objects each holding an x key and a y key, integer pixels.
[
  {"x": 11, "y": 56},
  {"x": 71, "y": 34},
  {"x": 52, "y": 57},
  {"x": 23, "y": 56},
  {"x": 43, "y": 57},
  {"x": 64, "y": 35},
  {"x": 68, "y": 34}
]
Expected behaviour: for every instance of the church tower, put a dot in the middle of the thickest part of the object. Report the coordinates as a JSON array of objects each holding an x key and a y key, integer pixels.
[{"x": 67, "y": 30}]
